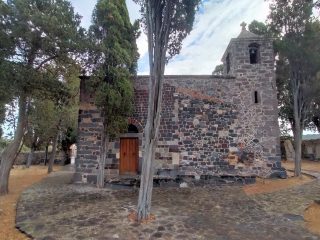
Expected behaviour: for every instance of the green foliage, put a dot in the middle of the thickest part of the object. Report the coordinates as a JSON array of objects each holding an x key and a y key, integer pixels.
[
  {"x": 258, "y": 28},
  {"x": 298, "y": 48},
  {"x": 181, "y": 24},
  {"x": 290, "y": 17},
  {"x": 2, "y": 117},
  {"x": 42, "y": 38},
  {"x": 3, "y": 144},
  {"x": 218, "y": 70},
  {"x": 114, "y": 58},
  {"x": 6, "y": 44},
  {"x": 177, "y": 15},
  {"x": 69, "y": 139},
  {"x": 6, "y": 48},
  {"x": 43, "y": 128},
  {"x": 46, "y": 117},
  {"x": 284, "y": 94}
]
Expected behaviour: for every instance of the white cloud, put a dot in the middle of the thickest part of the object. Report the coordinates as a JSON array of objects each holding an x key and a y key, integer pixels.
[
  {"x": 142, "y": 44},
  {"x": 213, "y": 29},
  {"x": 215, "y": 25}
]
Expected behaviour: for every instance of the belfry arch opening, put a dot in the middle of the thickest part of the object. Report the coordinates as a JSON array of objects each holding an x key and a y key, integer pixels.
[{"x": 254, "y": 53}]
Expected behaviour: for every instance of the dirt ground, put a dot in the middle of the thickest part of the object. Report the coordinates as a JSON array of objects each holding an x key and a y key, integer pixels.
[
  {"x": 312, "y": 216},
  {"x": 271, "y": 185},
  {"x": 306, "y": 165},
  {"x": 312, "y": 213},
  {"x": 20, "y": 179}
]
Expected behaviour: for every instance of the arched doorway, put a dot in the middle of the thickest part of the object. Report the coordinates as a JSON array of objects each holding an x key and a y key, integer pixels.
[{"x": 129, "y": 152}]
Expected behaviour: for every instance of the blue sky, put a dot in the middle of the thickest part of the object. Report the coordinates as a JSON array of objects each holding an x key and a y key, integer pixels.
[{"x": 217, "y": 21}]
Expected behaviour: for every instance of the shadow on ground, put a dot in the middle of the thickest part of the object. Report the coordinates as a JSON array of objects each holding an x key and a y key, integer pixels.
[{"x": 55, "y": 209}]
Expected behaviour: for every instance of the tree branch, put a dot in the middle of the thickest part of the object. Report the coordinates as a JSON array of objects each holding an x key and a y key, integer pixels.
[{"x": 45, "y": 61}]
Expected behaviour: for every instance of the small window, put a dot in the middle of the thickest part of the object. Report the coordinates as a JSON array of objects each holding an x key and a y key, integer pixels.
[
  {"x": 228, "y": 62},
  {"x": 256, "y": 97},
  {"x": 132, "y": 129},
  {"x": 254, "y": 53}
]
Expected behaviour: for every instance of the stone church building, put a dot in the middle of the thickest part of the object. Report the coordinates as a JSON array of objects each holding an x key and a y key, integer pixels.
[{"x": 223, "y": 126}]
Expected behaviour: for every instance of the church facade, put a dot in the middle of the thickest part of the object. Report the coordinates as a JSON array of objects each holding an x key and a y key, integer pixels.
[{"x": 211, "y": 126}]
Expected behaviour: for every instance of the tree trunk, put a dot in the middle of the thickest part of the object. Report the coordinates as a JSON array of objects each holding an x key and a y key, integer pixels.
[
  {"x": 297, "y": 160},
  {"x": 53, "y": 153},
  {"x": 158, "y": 35},
  {"x": 46, "y": 158},
  {"x": 31, "y": 154},
  {"x": 297, "y": 131},
  {"x": 30, "y": 157},
  {"x": 102, "y": 160},
  {"x": 10, "y": 152},
  {"x": 150, "y": 143},
  {"x": 146, "y": 183}
]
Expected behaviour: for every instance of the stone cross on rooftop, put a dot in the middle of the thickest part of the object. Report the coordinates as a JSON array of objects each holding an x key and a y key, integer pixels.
[{"x": 243, "y": 25}]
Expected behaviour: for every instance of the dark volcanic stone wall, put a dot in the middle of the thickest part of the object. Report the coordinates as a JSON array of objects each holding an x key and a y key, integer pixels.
[
  {"x": 210, "y": 125},
  {"x": 90, "y": 128},
  {"x": 206, "y": 133}
]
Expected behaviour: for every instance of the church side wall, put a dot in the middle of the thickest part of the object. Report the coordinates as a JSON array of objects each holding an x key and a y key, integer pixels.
[
  {"x": 209, "y": 126},
  {"x": 216, "y": 118}
]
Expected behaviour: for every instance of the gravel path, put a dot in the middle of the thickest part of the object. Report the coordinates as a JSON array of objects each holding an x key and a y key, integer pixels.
[{"x": 56, "y": 209}]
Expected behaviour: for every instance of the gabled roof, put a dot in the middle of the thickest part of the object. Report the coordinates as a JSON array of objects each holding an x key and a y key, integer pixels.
[{"x": 246, "y": 34}]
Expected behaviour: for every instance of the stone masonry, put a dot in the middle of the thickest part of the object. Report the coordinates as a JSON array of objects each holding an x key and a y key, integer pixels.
[{"x": 223, "y": 125}]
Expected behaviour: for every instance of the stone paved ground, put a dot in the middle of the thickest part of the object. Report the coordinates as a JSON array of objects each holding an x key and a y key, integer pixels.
[{"x": 55, "y": 209}]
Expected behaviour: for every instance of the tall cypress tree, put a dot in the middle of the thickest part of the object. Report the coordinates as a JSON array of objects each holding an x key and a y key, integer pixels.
[{"x": 114, "y": 60}]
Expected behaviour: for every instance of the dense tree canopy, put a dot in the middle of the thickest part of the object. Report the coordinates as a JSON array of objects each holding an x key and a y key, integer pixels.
[
  {"x": 258, "y": 28},
  {"x": 284, "y": 92},
  {"x": 59, "y": 118},
  {"x": 47, "y": 39},
  {"x": 218, "y": 70},
  {"x": 298, "y": 47},
  {"x": 114, "y": 60},
  {"x": 39, "y": 38}
]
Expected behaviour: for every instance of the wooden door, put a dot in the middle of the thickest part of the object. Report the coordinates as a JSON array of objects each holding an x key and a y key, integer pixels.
[{"x": 129, "y": 155}]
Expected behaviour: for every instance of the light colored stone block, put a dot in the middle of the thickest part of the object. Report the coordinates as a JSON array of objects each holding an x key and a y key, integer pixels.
[
  {"x": 223, "y": 133},
  {"x": 233, "y": 149},
  {"x": 176, "y": 158},
  {"x": 195, "y": 122}
]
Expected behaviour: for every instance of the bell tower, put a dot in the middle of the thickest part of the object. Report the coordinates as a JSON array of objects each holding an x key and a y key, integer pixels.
[
  {"x": 247, "y": 54},
  {"x": 249, "y": 62}
]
